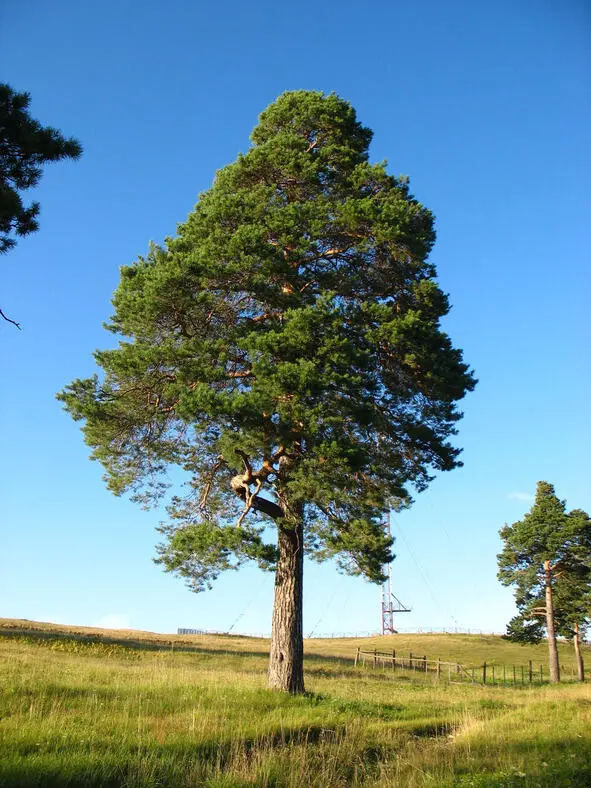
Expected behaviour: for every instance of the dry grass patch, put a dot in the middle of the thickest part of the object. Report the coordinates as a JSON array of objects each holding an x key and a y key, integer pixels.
[{"x": 75, "y": 710}]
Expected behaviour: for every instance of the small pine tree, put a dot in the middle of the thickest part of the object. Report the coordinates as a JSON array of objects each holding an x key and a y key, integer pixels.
[{"x": 522, "y": 630}]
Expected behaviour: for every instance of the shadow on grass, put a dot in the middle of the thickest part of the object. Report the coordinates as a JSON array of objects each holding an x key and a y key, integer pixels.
[
  {"x": 41, "y": 636},
  {"x": 233, "y": 763},
  {"x": 183, "y": 764},
  {"x": 35, "y": 636}
]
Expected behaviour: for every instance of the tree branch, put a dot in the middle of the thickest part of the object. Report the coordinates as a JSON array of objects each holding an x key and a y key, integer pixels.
[
  {"x": 247, "y": 466},
  {"x": 245, "y": 374},
  {"x": 249, "y": 503},
  {"x": 217, "y": 465},
  {"x": 259, "y": 504},
  {"x": 8, "y": 320},
  {"x": 264, "y": 316}
]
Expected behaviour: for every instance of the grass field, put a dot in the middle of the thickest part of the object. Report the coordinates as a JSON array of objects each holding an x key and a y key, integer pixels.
[{"x": 84, "y": 707}]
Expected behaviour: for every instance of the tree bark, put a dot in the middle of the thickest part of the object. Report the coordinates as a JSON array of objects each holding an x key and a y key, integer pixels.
[
  {"x": 286, "y": 662},
  {"x": 552, "y": 649},
  {"x": 577, "y": 644}
]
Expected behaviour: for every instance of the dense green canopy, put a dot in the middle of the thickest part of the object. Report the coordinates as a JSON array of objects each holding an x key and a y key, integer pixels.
[
  {"x": 570, "y": 569},
  {"x": 285, "y": 345},
  {"x": 546, "y": 557},
  {"x": 546, "y": 533}
]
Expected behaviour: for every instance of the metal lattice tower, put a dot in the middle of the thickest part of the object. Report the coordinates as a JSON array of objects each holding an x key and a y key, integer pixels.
[{"x": 390, "y": 603}]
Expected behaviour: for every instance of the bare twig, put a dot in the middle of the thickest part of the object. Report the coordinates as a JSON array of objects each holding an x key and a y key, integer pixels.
[
  {"x": 217, "y": 465},
  {"x": 335, "y": 251},
  {"x": 246, "y": 374},
  {"x": 265, "y": 316},
  {"x": 246, "y": 462},
  {"x": 8, "y": 320},
  {"x": 250, "y": 498}
]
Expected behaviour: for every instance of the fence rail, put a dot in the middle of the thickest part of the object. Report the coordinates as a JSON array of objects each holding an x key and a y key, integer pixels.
[
  {"x": 487, "y": 673},
  {"x": 366, "y": 633}
]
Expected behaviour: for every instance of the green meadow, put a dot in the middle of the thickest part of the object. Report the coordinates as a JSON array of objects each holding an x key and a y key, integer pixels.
[{"x": 87, "y": 707}]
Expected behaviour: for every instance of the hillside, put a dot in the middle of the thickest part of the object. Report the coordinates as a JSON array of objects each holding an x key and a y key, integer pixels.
[
  {"x": 87, "y": 707},
  {"x": 465, "y": 649}
]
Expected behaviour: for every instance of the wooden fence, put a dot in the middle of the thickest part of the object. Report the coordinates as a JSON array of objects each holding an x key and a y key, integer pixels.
[{"x": 452, "y": 671}]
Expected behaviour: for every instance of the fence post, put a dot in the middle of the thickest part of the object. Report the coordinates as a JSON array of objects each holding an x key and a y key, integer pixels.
[
  {"x": 357, "y": 656},
  {"x": 484, "y": 672},
  {"x": 530, "y": 671},
  {"x": 438, "y": 668},
  {"x": 425, "y": 662},
  {"x": 410, "y": 665},
  {"x": 375, "y": 658},
  {"x": 393, "y": 659}
]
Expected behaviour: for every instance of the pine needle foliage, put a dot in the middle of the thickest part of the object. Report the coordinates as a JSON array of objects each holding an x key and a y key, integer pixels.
[
  {"x": 25, "y": 146},
  {"x": 285, "y": 350},
  {"x": 546, "y": 557}
]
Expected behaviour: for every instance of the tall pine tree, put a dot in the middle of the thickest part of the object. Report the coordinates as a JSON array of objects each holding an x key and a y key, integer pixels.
[
  {"x": 285, "y": 350},
  {"x": 547, "y": 558}
]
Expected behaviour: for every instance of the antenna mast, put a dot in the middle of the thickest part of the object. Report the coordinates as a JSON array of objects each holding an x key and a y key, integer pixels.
[{"x": 390, "y": 603}]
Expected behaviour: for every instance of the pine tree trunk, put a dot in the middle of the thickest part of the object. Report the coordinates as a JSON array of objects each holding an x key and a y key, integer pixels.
[
  {"x": 580, "y": 666},
  {"x": 286, "y": 662},
  {"x": 552, "y": 649}
]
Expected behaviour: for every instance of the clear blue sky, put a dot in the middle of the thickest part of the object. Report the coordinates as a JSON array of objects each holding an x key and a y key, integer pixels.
[{"x": 486, "y": 106}]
